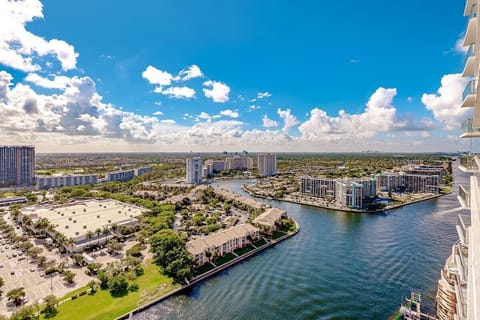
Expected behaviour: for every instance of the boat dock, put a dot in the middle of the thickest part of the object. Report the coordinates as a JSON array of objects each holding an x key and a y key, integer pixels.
[{"x": 411, "y": 309}]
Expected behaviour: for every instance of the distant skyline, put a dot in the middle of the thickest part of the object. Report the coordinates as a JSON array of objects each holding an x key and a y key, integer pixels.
[{"x": 282, "y": 76}]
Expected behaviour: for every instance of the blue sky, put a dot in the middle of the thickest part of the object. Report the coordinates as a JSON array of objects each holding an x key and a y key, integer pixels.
[{"x": 232, "y": 75}]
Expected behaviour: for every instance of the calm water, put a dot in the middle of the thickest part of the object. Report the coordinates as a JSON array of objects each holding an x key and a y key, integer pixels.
[{"x": 340, "y": 266}]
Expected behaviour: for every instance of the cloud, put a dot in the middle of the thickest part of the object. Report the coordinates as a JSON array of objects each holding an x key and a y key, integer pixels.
[
  {"x": 253, "y": 108},
  {"x": 58, "y": 82},
  {"x": 262, "y": 95},
  {"x": 289, "y": 120},
  {"x": 189, "y": 73},
  {"x": 168, "y": 121},
  {"x": 268, "y": 123},
  {"x": 78, "y": 110},
  {"x": 409, "y": 99},
  {"x": 223, "y": 131},
  {"x": 230, "y": 113},
  {"x": 176, "y": 92},
  {"x": 379, "y": 116},
  {"x": 22, "y": 50},
  {"x": 158, "y": 113},
  {"x": 5, "y": 82},
  {"x": 354, "y": 61},
  {"x": 219, "y": 91},
  {"x": 156, "y": 76},
  {"x": 459, "y": 45},
  {"x": 445, "y": 103}
]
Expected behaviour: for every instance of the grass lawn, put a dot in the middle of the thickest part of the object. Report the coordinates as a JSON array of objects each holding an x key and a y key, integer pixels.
[
  {"x": 278, "y": 234},
  {"x": 202, "y": 269},
  {"x": 102, "y": 305},
  {"x": 244, "y": 250},
  {"x": 228, "y": 257},
  {"x": 259, "y": 243}
]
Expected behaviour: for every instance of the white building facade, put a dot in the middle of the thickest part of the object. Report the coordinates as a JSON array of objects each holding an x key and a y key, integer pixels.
[
  {"x": 45, "y": 182},
  {"x": 267, "y": 164},
  {"x": 194, "y": 170},
  {"x": 458, "y": 295}
]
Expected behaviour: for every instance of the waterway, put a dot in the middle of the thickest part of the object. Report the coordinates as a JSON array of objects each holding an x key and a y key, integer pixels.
[{"x": 340, "y": 266}]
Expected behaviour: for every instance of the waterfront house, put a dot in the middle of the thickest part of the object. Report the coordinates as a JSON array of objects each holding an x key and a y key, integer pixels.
[
  {"x": 270, "y": 220},
  {"x": 220, "y": 243}
]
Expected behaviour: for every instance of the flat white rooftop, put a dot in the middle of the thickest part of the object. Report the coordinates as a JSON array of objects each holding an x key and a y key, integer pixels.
[{"x": 75, "y": 219}]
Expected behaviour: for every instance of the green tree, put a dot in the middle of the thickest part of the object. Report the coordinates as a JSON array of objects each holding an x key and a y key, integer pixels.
[
  {"x": 50, "y": 304},
  {"x": 92, "y": 285},
  {"x": 2, "y": 283},
  {"x": 98, "y": 232},
  {"x": 25, "y": 313},
  {"x": 169, "y": 252},
  {"x": 118, "y": 285},
  {"x": 16, "y": 295},
  {"x": 68, "y": 276}
]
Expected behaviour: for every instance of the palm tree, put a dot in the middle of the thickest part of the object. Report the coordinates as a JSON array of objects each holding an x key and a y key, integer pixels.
[
  {"x": 16, "y": 295},
  {"x": 98, "y": 232},
  {"x": 2, "y": 282},
  {"x": 69, "y": 242},
  {"x": 89, "y": 235},
  {"x": 60, "y": 240},
  {"x": 105, "y": 232},
  {"x": 27, "y": 221}
]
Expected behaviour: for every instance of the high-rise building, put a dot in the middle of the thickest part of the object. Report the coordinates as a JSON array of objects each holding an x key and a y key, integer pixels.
[
  {"x": 458, "y": 294},
  {"x": 238, "y": 163},
  {"x": 267, "y": 164},
  {"x": 349, "y": 194},
  {"x": 318, "y": 187},
  {"x": 17, "y": 165},
  {"x": 194, "y": 170}
]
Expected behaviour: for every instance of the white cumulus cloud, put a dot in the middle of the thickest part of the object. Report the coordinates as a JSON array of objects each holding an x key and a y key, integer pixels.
[
  {"x": 21, "y": 49},
  {"x": 289, "y": 120},
  {"x": 156, "y": 76},
  {"x": 176, "y": 92},
  {"x": 189, "y": 73},
  {"x": 269, "y": 123},
  {"x": 445, "y": 103},
  {"x": 218, "y": 91},
  {"x": 230, "y": 113},
  {"x": 58, "y": 82}
]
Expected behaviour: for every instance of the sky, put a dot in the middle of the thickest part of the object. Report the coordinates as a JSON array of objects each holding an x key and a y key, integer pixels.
[{"x": 270, "y": 75}]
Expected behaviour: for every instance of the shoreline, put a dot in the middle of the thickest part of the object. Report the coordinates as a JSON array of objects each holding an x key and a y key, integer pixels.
[
  {"x": 307, "y": 203},
  {"x": 210, "y": 273}
]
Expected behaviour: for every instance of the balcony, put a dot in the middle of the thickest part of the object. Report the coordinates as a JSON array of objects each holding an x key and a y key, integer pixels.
[
  {"x": 469, "y": 131},
  {"x": 463, "y": 197},
  {"x": 471, "y": 27},
  {"x": 469, "y": 68},
  {"x": 470, "y": 94},
  {"x": 464, "y": 223},
  {"x": 469, "y": 164},
  {"x": 469, "y": 6}
]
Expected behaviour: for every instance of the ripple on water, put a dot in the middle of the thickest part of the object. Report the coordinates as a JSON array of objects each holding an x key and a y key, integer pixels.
[{"x": 340, "y": 266}]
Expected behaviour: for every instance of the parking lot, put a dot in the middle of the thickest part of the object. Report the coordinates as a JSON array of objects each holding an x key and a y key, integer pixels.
[{"x": 19, "y": 270}]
